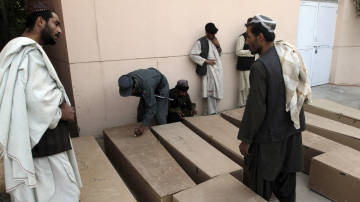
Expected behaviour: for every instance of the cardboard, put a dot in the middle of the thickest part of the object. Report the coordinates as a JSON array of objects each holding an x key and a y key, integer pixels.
[
  {"x": 333, "y": 130},
  {"x": 314, "y": 145},
  {"x": 218, "y": 132},
  {"x": 234, "y": 116},
  {"x": 100, "y": 180},
  {"x": 224, "y": 188},
  {"x": 336, "y": 175},
  {"x": 150, "y": 171},
  {"x": 201, "y": 160},
  {"x": 334, "y": 111}
]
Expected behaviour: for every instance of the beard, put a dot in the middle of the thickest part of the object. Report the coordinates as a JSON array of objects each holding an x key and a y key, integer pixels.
[
  {"x": 46, "y": 36},
  {"x": 255, "y": 48},
  {"x": 256, "y": 51}
]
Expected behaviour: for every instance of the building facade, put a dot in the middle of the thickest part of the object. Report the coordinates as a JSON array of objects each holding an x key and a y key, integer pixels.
[{"x": 105, "y": 39}]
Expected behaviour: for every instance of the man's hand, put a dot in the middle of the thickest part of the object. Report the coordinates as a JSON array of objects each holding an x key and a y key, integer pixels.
[
  {"x": 180, "y": 114},
  {"x": 216, "y": 42},
  {"x": 139, "y": 130},
  {"x": 67, "y": 112},
  {"x": 210, "y": 61},
  {"x": 244, "y": 148}
]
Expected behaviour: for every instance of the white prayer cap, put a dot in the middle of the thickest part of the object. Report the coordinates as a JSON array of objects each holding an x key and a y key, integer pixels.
[{"x": 266, "y": 22}]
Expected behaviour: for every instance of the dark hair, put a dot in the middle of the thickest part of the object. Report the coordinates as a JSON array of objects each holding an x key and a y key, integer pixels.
[
  {"x": 31, "y": 18},
  {"x": 182, "y": 88},
  {"x": 210, "y": 28},
  {"x": 257, "y": 28},
  {"x": 248, "y": 22}
]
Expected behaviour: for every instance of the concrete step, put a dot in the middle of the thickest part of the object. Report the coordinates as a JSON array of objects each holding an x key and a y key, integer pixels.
[
  {"x": 336, "y": 175},
  {"x": 100, "y": 180},
  {"x": 314, "y": 145},
  {"x": 224, "y": 188},
  {"x": 150, "y": 171},
  {"x": 234, "y": 116},
  {"x": 218, "y": 132},
  {"x": 333, "y": 130},
  {"x": 334, "y": 111},
  {"x": 201, "y": 160}
]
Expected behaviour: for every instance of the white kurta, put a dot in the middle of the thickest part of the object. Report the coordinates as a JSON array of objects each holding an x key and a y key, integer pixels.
[
  {"x": 212, "y": 82},
  {"x": 244, "y": 82},
  {"x": 30, "y": 95}
]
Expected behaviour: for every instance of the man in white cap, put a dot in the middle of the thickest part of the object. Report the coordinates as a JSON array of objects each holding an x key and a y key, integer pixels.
[
  {"x": 39, "y": 161},
  {"x": 271, "y": 129}
]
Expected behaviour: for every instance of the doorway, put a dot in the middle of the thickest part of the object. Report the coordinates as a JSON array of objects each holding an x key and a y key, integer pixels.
[{"x": 316, "y": 32}]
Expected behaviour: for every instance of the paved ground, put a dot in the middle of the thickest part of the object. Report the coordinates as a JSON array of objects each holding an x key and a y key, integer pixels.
[{"x": 346, "y": 95}]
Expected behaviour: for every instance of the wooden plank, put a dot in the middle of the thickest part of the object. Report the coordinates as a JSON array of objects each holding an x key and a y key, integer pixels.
[
  {"x": 336, "y": 175},
  {"x": 234, "y": 116},
  {"x": 224, "y": 188},
  {"x": 333, "y": 130},
  {"x": 314, "y": 145},
  {"x": 334, "y": 111},
  {"x": 100, "y": 180},
  {"x": 219, "y": 133},
  {"x": 149, "y": 170},
  {"x": 201, "y": 160}
]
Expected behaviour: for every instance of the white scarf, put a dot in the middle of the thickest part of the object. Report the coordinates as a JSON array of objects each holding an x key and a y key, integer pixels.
[
  {"x": 16, "y": 138},
  {"x": 297, "y": 86}
]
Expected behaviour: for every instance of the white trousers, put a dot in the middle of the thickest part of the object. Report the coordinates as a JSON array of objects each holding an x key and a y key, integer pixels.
[
  {"x": 244, "y": 87},
  {"x": 56, "y": 182},
  {"x": 212, "y": 105}
]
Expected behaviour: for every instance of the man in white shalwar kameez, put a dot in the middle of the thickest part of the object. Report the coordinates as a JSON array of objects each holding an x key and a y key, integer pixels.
[
  {"x": 245, "y": 60},
  {"x": 33, "y": 103},
  {"x": 212, "y": 81}
]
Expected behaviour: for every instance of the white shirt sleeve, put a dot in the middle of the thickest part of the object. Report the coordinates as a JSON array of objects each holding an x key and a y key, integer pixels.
[
  {"x": 240, "y": 43},
  {"x": 43, "y": 95},
  {"x": 195, "y": 54}
]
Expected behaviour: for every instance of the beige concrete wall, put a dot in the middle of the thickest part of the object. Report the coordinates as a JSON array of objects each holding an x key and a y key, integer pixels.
[
  {"x": 346, "y": 60},
  {"x": 106, "y": 39}
]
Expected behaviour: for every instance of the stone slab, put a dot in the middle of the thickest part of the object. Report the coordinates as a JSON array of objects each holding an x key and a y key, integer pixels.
[
  {"x": 223, "y": 188},
  {"x": 100, "y": 180},
  {"x": 218, "y": 132},
  {"x": 234, "y": 116},
  {"x": 201, "y": 160},
  {"x": 336, "y": 175},
  {"x": 334, "y": 111},
  {"x": 314, "y": 145},
  {"x": 150, "y": 171},
  {"x": 333, "y": 130}
]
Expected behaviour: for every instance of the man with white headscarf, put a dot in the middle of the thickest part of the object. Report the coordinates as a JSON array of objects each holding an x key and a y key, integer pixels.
[
  {"x": 273, "y": 120},
  {"x": 39, "y": 161}
]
